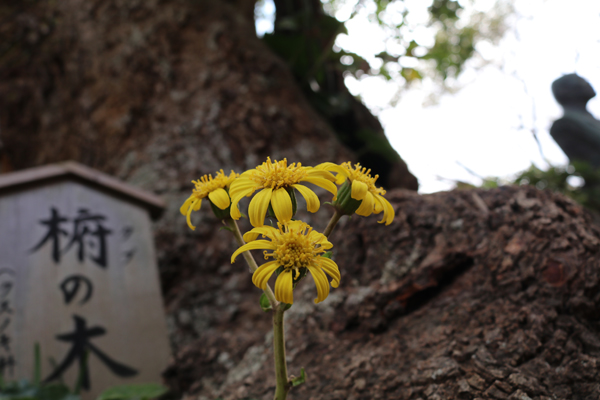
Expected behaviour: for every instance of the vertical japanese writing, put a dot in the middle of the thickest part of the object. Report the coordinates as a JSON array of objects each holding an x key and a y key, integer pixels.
[
  {"x": 128, "y": 251},
  {"x": 70, "y": 287},
  {"x": 80, "y": 344},
  {"x": 88, "y": 236}
]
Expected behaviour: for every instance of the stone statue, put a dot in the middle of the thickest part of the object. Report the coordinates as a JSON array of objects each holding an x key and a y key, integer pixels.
[{"x": 577, "y": 132}]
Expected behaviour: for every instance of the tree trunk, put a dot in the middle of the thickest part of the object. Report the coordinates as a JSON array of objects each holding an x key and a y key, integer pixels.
[
  {"x": 157, "y": 93},
  {"x": 113, "y": 83}
]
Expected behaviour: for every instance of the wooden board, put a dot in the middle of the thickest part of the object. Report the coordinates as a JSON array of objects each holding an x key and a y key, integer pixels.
[{"x": 78, "y": 275}]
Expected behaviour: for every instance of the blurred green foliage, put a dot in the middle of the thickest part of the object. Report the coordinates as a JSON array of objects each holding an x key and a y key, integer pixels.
[
  {"x": 305, "y": 32},
  {"x": 133, "y": 392},
  {"x": 578, "y": 180},
  {"x": 25, "y": 390},
  {"x": 38, "y": 390},
  {"x": 304, "y": 36}
]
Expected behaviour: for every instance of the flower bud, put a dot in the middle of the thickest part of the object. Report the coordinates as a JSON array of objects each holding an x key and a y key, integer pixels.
[
  {"x": 344, "y": 202},
  {"x": 220, "y": 214}
]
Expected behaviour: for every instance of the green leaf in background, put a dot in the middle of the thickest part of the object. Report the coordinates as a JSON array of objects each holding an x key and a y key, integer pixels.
[
  {"x": 327, "y": 254},
  {"x": 55, "y": 391},
  {"x": 38, "y": 390},
  {"x": 143, "y": 391},
  {"x": 24, "y": 390}
]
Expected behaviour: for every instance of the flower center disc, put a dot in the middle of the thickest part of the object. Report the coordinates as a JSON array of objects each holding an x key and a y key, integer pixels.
[
  {"x": 207, "y": 184},
  {"x": 362, "y": 174},
  {"x": 295, "y": 251},
  {"x": 278, "y": 174}
]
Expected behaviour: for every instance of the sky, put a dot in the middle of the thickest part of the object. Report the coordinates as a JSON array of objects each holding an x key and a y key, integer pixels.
[{"x": 505, "y": 93}]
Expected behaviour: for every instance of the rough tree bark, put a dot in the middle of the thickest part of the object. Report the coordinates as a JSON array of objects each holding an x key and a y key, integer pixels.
[
  {"x": 105, "y": 82},
  {"x": 473, "y": 294}
]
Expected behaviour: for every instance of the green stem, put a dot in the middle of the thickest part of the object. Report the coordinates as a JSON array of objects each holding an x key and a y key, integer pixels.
[
  {"x": 283, "y": 385},
  {"x": 250, "y": 260},
  {"x": 332, "y": 222}
]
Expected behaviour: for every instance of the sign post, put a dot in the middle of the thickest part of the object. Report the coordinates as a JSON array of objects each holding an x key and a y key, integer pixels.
[{"x": 78, "y": 275}]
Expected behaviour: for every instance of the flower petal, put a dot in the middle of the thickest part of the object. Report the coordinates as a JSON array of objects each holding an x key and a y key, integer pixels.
[
  {"x": 254, "y": 245},
  {"x": 320, "y": 173},
  {"x": 320, "y": 239},
  {"x": 264, "y": 230},
  {"x": 219, "y": 198},
  {"x": 248, "y": 172},
  {"x": 312, "y": 201},
  {"x": 324, "y": 183},
  {"x": 284, "y": 287},
  {"x": 261, "y": 276},
  {"x": 186, "y": 205},
  {"x": 235, "y": 211},
  {"x": 379, "y": 207},
  {"x": 194, "y": 206},
  {"x": 329, "y": 166},
  {"x": 359, "y": 190},
  {"x": 258, "y": 207},
  {"x": 297, "y": 226},
  {"x": 321, "y": 283},
  {"x": 282, "y": 205},
  {"x": 332, "y": 270},
  {"x": 366, "y": 207},
  {"x": 241, "y": 185},
  {"x": 231, "y": 178},
  {"x": 388, "y": 210}
]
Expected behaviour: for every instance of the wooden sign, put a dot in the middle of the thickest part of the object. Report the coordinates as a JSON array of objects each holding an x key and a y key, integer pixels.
[{"x": 78, "y": 275}]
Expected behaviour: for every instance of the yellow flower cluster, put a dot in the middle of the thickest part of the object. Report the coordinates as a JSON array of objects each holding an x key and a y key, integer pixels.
[
  {"x": 214, "y": 189},
  {"x": 275, "y": 181},
  {"x": 295, "y": 247}
]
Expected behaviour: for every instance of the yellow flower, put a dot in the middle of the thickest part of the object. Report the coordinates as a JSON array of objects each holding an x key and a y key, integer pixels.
[
  {"x": 368, "y": 197},
  {"x": 276, "y": 181},
  {"x": 296, "y": 248},
  {"x": 213, "y": 188}
]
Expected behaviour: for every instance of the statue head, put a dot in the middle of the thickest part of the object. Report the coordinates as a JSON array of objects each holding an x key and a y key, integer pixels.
[{"x": 572, "y": 90}]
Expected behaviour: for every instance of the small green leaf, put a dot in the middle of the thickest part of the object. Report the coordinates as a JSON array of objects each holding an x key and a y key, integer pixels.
[
  {"x": 327, "y": 254},
  {"x": 301, "y": 379},
  {"x": 265, "y": 304},
  {"x": 139, "y": 391},
  {"x": 54, "y": 391},
  {"x": 71, "y": 396},
  {"x": 226, "y": 228},
  {"x": 287, "y": 306}
]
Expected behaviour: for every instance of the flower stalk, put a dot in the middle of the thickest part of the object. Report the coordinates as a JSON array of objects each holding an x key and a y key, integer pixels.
[
  {"x": 235, "y": 229},
  {"x": 283, "y": 385},
  {"x": 333, "y": 222},
  {"x": 292, "y": 249}
]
